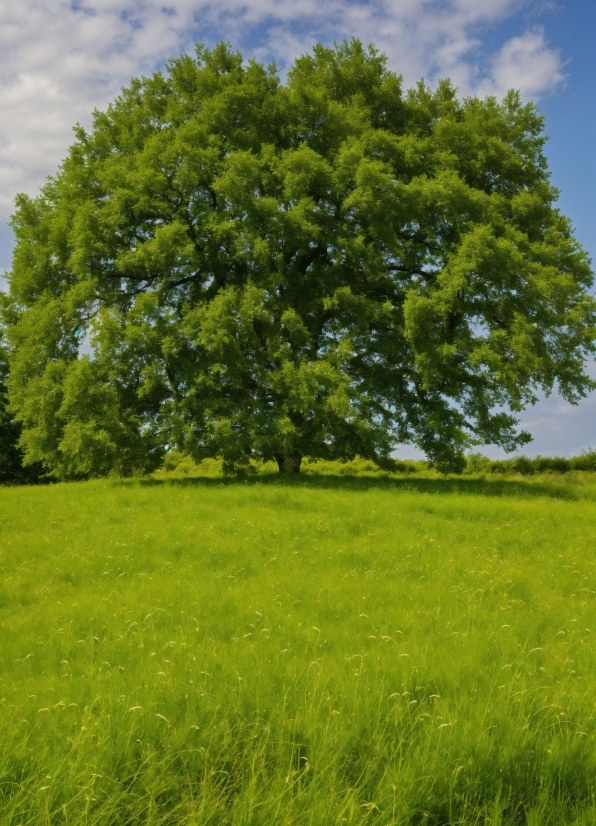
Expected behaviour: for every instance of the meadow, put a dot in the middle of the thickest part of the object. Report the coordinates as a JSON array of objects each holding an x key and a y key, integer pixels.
[{"x": 316, "y": 651}]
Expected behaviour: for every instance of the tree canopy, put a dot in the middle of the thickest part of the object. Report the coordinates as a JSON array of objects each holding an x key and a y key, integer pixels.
[{"x": 326, "y": 265}]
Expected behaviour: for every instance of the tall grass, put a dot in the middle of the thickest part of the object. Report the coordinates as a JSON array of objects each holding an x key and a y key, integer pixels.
[{"x": 315, "y": 651}]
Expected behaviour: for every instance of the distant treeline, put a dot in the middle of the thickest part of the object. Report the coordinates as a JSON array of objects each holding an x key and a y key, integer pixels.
[
  {"x": 541, "y": 464},
  {"x": 475, "y": 463},
  {"x": 178, "y": 464}
]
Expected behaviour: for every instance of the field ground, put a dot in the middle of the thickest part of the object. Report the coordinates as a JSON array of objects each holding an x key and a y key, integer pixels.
[{"x": 317, "y": 651}]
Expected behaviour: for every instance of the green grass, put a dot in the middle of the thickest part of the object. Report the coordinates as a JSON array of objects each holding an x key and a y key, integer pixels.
[{"x": 317, "y": 651}]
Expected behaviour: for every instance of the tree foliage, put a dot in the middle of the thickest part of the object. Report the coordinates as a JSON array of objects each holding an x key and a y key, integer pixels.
[{"x": 325, "y": 266}]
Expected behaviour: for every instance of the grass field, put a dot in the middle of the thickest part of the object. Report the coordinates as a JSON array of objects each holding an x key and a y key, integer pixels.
[{"x": 316, "y": 651}]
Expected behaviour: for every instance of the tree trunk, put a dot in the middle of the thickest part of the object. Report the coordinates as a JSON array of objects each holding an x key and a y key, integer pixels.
[{"x": 289, "y": 464}]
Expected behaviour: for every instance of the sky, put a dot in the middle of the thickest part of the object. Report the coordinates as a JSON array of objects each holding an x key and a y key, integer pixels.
[{"x": 61, "y": 59}]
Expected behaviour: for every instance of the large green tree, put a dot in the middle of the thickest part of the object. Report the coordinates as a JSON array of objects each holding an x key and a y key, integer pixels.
[{"x": 325, "y": 266}]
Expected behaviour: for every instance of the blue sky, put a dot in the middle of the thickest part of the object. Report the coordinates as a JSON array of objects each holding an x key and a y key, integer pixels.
[{"x": 59, "y": 59}]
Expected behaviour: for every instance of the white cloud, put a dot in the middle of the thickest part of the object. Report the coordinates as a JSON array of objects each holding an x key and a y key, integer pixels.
[
  {"x": 526, "y": 63},
  {"x": 59, "y": 59}
]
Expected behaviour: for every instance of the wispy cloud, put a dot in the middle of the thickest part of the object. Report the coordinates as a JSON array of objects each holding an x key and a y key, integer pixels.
[
  {"x": 526, "y": 63},
  {"x": 61, "y": 59}
]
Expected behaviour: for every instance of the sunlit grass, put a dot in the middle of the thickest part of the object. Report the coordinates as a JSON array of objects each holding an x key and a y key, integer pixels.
[{"x": 320, "y": 651}]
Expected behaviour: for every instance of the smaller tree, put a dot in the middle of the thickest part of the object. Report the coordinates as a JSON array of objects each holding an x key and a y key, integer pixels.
[{"x": 12, "y": 470}]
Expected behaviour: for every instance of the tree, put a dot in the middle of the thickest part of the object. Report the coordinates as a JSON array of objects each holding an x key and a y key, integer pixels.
[{"x": 325, "y": 267}]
